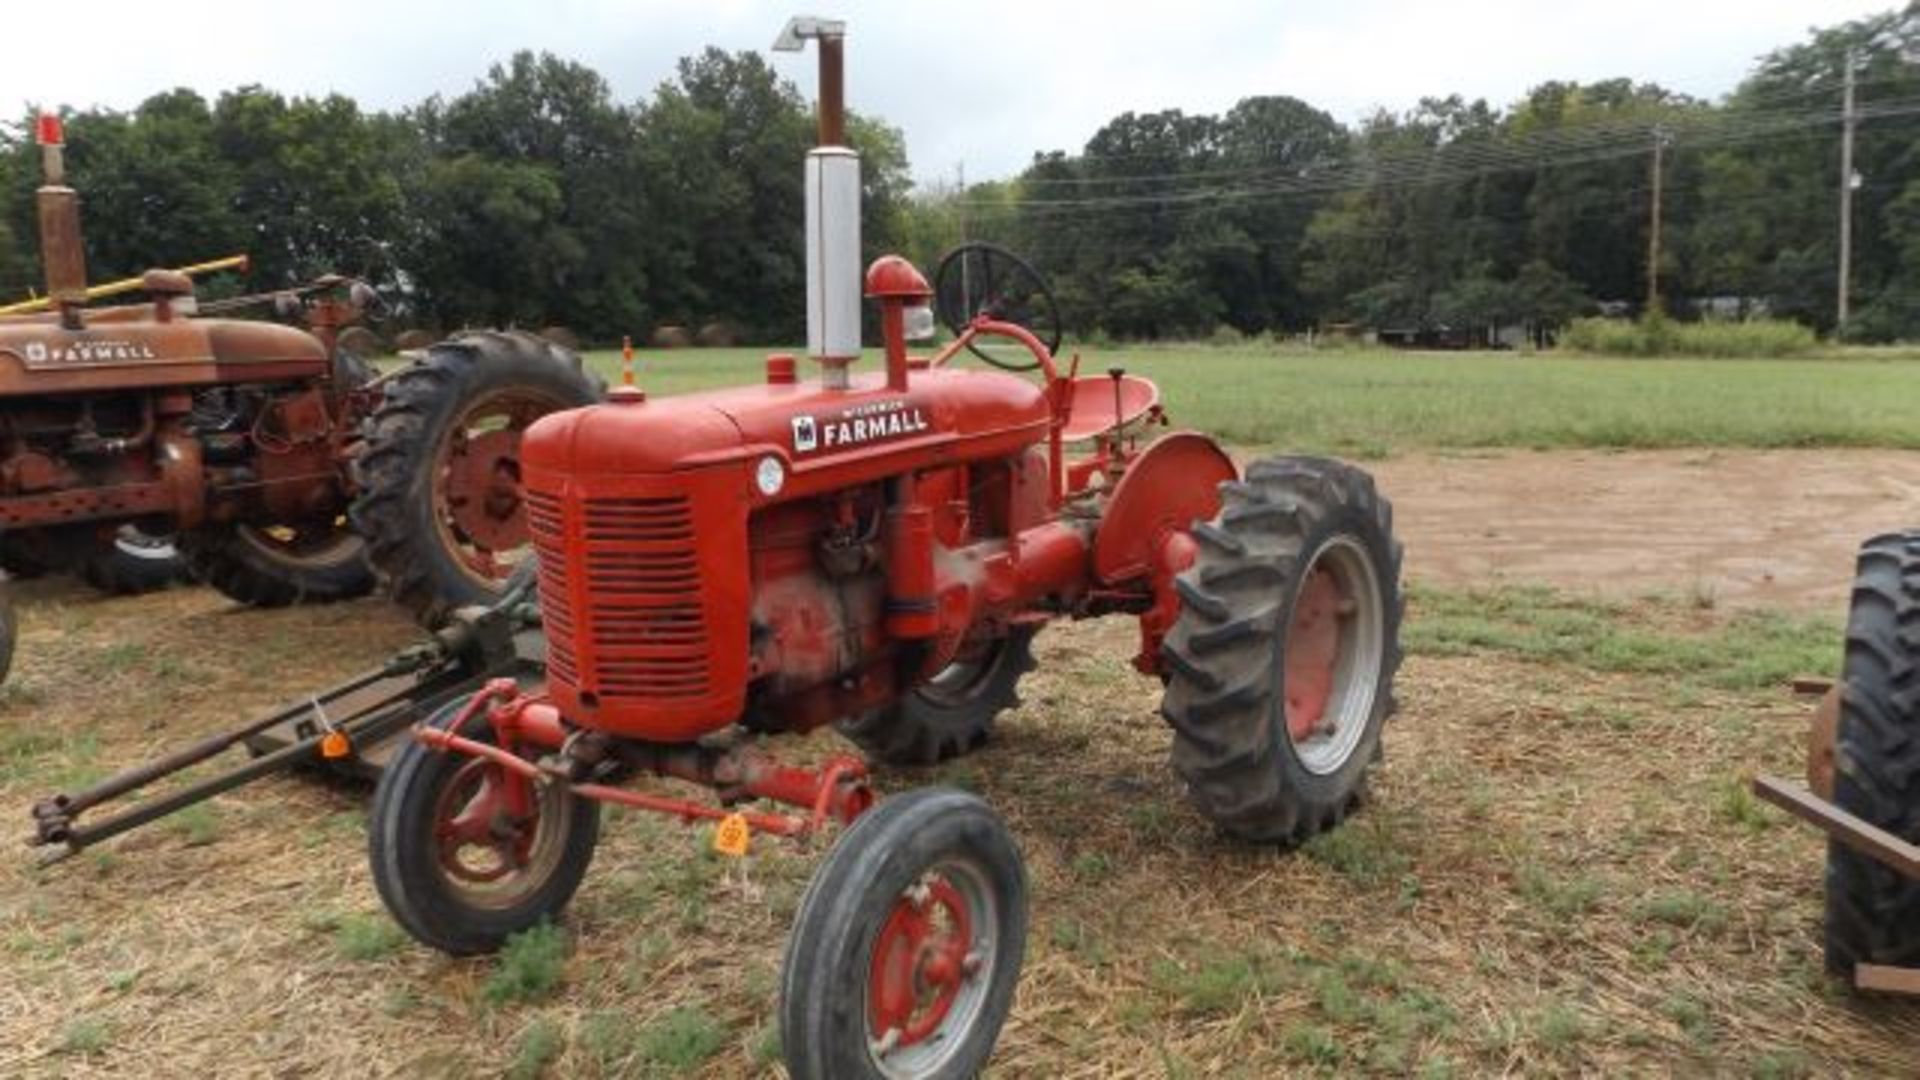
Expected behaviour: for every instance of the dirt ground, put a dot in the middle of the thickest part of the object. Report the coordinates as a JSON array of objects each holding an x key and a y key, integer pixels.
[
  {"x": 1557, "y": 873},
  {"x": 1772, "y": 528}
]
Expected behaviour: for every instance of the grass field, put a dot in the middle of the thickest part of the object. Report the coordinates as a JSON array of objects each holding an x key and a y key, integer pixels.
[
  {"x": 1371, "y": 402},
  {"x": 1560, "y": 872}
]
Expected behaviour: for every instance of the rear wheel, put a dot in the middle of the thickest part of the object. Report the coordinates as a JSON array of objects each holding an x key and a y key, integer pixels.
[
  {"x": 1280, "y": 667},
  {"x": 908, "y": 945},
  {"x": 439, "y": 481},
  {"x": 953, "y": 712},
  {"x": 1873, "y": 912},
  {"x": 456, "y": 867},
  {"x": 276, "y": 566},
  {"x": 135, "y": 561}
]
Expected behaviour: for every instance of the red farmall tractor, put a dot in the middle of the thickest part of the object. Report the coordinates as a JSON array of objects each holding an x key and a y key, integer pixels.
[
  {"x": 250, "y": 441},
  {"x": 877, "y": 551}
]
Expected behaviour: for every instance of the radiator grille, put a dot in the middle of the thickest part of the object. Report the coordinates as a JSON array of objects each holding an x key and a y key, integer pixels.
[{"x": 638, "y": 622}]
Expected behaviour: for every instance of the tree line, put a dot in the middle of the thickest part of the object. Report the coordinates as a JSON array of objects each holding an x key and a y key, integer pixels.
[
  {"x": 1275, "y": 217},
  {"x": 536, "y": 198}
]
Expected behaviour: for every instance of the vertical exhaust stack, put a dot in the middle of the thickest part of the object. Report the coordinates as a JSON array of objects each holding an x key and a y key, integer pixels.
[
  {"x": 833, "y": 210},
  {"x": 62, "y": 253}
]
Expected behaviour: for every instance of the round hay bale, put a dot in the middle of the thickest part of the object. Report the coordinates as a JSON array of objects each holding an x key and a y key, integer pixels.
[
  {"x": 717, "y": 335},
  {"x": 409, "y": 340},
  {"x": 671, "y": 337},
  {"x": 563, "y": 337},
  {"x": 361, "y": 342}
]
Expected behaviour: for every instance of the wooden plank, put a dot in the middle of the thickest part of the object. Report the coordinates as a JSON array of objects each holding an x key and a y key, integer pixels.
[
  {"x": 1811, "y": 685},
  {"x": 1861, "y": 835},
  {"x": 1892, "y": 980}
]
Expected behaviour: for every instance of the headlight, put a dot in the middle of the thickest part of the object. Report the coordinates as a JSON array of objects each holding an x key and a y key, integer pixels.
[{"x": 920, "y": 324}]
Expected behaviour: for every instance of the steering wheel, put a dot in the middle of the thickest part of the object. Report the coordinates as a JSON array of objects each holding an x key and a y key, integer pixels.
[{"x": 981, "y": 278}]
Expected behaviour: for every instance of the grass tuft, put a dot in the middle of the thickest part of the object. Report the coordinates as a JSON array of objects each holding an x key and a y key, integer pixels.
[
  {"x": 541, "y": 1044},
  {"x": 531, "y": 966},
  {"x": 367, "y": 937}
]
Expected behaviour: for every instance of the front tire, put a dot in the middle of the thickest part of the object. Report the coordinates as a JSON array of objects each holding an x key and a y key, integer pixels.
[
  {"x": 908, "y": 945},
  {"x": 1280, "y": 667},
  {"x": 280, "y": 565},
  {"x": 950, "y": 714},
  {"x": 454, "y": 870},
  {"x": 135, "y": 562},
  {"x": 1873, "y": 912}
]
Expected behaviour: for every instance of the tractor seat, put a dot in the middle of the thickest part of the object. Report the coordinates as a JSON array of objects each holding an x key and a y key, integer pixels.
[{"x": 1091, "y": 405}]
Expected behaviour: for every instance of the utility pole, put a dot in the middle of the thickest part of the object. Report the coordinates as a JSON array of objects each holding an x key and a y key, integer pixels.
[
  {"x": 966, "y": 273},
  {"x": 1847, "y": 119},
  {"x": 1653, "y": 231},
  {"x": 960, "y": 187}
]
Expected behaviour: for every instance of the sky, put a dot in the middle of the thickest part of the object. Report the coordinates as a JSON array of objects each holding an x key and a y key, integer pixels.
[{"x": 979, "y": 85}]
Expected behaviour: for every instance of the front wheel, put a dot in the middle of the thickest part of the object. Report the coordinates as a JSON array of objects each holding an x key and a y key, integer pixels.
[
  {"x": 133, "y": 562},
  {"x": 908, "y": 944},
  {"x": 1280, "y": 667},
  {"x": 456, "y": 866},
  {"x": 275, "y": 566}
]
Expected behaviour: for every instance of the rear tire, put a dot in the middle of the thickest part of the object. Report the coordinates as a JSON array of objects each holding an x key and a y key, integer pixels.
[
  {"x": 952, "y": 713},
  {"x": 1873, "y": 912},
  {"x": 1269, "y": 762},
  {"x": 458, "y": 913},
  {"x": 945, "y": 855},
  {"x": 277, "y": 568},
  {"x": 430, "y": 414},
  {"x": 135, "y": 562}
]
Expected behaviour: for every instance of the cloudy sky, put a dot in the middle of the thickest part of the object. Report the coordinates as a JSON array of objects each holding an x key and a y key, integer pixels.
[{"x": 985, "y": 83}]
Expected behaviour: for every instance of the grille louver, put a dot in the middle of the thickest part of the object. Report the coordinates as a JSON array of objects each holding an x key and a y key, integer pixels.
[{"x": 642, "y": 629}]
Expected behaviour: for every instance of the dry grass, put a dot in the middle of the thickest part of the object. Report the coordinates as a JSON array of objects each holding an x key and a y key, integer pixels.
[{"x": 1556, "y": 875}]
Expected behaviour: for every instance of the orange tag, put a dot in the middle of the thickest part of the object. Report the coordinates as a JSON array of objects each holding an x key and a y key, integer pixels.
[
  {"x": 731, "y": 836},
  {"x": 335, "y": 745}
]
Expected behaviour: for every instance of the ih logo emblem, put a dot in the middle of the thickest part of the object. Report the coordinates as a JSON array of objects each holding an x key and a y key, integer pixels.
[{"x": 806, "y": 434}]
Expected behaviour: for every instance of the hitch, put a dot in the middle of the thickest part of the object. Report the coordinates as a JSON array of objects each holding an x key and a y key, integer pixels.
[
  {"x": 590, "y": 767},
  {"x": 349, "y": 728}
]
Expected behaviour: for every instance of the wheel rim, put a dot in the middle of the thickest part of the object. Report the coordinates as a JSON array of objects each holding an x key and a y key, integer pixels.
[
  {"x": 1334, "y": 649},
  {"x": 487, "y": 857},
  {"x": 477, "y": 504},
  {"x": 312, "y": 547},
  {"x": 135, "y": 542},
  {"x": 933, "y": 960}
]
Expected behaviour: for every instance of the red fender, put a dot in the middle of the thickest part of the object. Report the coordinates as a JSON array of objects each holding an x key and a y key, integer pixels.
[{"x": 1172, "y": 484}]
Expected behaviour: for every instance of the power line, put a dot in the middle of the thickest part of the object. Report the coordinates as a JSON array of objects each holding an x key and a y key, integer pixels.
[{"x": 1456, "y": 163}]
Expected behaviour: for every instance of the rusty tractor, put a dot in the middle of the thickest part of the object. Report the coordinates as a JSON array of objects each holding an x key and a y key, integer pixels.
[
  {"x": 247, "y": 443},
  {"x": 1863, "y": 777},
  {"x": 874, "y": 553}
]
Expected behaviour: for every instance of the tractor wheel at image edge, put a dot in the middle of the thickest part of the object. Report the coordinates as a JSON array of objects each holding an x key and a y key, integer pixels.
[
  {"x": 439, "y": 496},
  {"x": 1873, "y": 911},
  {"x": 135, "y": 562},
  {"x": 951, "y": 713},
  {"x": 8, "y": 628},
  {"x": 1280, "y": 667},
  {"x": 453, "y": 867},
  {"x": 907, "y": 947}
]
